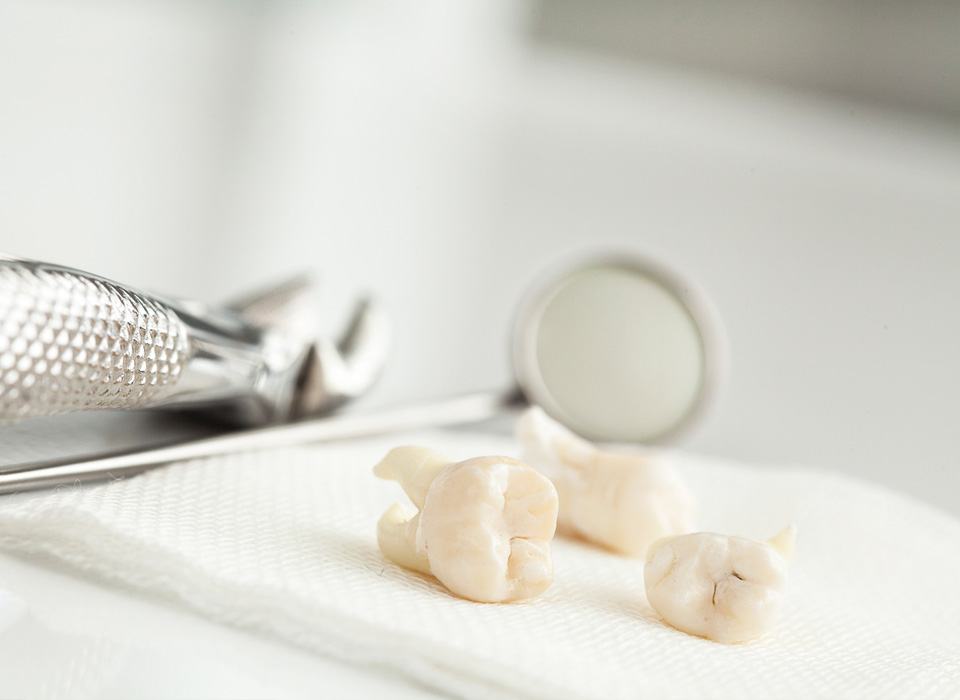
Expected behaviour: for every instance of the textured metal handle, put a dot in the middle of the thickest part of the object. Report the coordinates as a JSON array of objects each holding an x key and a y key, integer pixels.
[{"x": 73, "y": 342}]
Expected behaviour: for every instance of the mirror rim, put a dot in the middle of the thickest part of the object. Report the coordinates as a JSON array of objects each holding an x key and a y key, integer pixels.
[{"x": 702, "y": 312}]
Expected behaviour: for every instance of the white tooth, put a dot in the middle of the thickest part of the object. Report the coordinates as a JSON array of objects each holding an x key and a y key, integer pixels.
[
  {"x": 397, "y": 537},
  {"x": 414, "y": 467},
  {"x": 784, "y": 542},
  {"x": 619, "y": 500},
  {"x": 484, "y": 525},
  {"x": 728, "y": 589}
]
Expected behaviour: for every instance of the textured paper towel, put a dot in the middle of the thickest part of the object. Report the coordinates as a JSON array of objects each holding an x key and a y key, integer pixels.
[{"x": 283, "y": 542}]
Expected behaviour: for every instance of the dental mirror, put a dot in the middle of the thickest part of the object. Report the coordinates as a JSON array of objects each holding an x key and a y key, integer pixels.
[{"x": 619, "y": 349}]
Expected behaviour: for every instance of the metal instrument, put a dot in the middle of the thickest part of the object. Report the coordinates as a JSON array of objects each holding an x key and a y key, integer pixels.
[
  {"x": 619, "y": 348},
  {"x": 72, "y": 341}
]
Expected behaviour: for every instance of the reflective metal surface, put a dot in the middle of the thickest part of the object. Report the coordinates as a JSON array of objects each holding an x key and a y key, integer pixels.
[
  {"x": 113, "y": 464},
  {"x": 70, "y": 341}
]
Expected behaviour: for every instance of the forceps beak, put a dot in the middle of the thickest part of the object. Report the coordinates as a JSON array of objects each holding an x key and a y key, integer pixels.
[{"x": 334, "y": 372}]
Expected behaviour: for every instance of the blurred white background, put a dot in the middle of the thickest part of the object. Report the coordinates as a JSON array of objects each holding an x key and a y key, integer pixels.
[{"x": 442, "y": 154}]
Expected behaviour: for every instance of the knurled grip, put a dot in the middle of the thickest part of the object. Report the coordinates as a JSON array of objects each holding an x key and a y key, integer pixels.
[{"x": 70, "y": 342}]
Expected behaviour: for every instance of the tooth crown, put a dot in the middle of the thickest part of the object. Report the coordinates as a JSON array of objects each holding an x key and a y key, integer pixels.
[
  {"x": 728, "y": 589},
  {"x": 619, "y": 500},
  {"x": 484, "y": 525}
]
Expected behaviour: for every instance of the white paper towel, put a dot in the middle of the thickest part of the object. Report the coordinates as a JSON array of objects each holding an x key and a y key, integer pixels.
[{"x": 283, "y": 542}]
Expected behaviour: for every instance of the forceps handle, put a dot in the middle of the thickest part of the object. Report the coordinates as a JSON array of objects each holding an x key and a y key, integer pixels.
[
  {"x": 455, "y": 411},
  {"x": 70, "y": 341}
]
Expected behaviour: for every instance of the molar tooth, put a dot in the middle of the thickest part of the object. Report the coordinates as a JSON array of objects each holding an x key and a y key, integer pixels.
[
  {"x": 728, "y": 589},
  {"x": 620, "y": 500},
  {"x": 483, "y": 528}
]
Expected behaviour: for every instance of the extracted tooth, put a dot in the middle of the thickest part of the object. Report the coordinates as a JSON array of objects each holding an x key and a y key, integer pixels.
[
  {"x": 483, "y": 526},
  {"x": 728, "y": 589},
  {"x": 619, "y": 500}
]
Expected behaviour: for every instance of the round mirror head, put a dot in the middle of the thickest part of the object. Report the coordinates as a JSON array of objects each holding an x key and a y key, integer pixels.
[{"x": 619, "y": 350}]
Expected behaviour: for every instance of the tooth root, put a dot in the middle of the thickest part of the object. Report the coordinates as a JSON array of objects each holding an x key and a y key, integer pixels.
[
  {"x": 397, "y": 538},
  {"x": 414, "y": 468},
  {"x": 783, "y": 542},
  {"x": 547, "y": 441}
]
